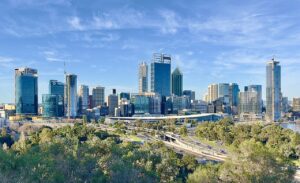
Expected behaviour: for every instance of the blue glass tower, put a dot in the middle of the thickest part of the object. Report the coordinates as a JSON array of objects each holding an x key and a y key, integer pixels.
[
  {"x": 161, "y": 74},
  {"x": 273, "y": 91},
  {"x": 57, "y": 88},
  {"x": 26, "y": 91},
  {"x": 50, "y": 105},
  {"x": 234, "y": 91}
]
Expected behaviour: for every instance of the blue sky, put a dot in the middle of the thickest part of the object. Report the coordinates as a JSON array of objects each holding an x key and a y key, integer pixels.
[{"x": 103, "y": 41}]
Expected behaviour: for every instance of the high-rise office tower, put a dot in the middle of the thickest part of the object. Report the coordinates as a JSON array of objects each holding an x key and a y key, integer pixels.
[
  {"x": 83, "y": 98},
  {"x": 213, "y": 92},
  {"x": 26, "y": 91},
  {"x": 234, "y": 94},
  {"x": 57, "y": 88},
  {"x": 223, "y": 92},
  {"x": 258, "y": 89},
  {"x": 249, "y": 105},
  {"x": 51, "y": 105},
  {"x": 273, "y": 91},
  {"x": 161, "y": 74},
  {"x": 143, "y": 77},
  {"x": 112, "y": 102},
  {"x": 296, "y": 104},
  {"x": 284, "y": 105},
  {"x": 98, "y": 96},
  {"x": 125, "y": 95},
  {"x": 177, "y": 82},
  {"x": 71, "y": 96},
  {"x": 191, "y": 94}
]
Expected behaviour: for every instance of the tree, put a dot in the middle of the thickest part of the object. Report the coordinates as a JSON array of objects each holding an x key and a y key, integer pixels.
[
  {"x": 183, "y": 131},
  {"x": 253, "y": 162},
  {"x": 205, "y": 174},
  {"x": 84, "y": 119}
]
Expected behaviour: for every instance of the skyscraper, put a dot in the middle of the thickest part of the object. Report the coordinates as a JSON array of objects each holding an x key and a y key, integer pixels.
[
  {"x": 213, "y": 92},
  {"x": 296, "y": 104},
  {"x": 50, "y": 105},
  {"x": 249, "y": 106},
  {"x": 234, "y": 94},
  {"x": 177, "y": 82},
  {"x": 258, "y": 89},
  {"x": 71, "y": 96},
  {"x": 191, "y": 94},
  {"x": 57, "y": 88},
  {"x": 26, "y": 91},
  {"x": 273, "y": 91},
  {"x": 143, "y": 77},
  {"x": 83, "y": 98},
  {"x": 161, "y": 74},
  {"x": 223, "y": 91},
  {"x": 98, "y": 96},
  {"x": 125, "y": 95},
  {"x": 112, "y": 102}
]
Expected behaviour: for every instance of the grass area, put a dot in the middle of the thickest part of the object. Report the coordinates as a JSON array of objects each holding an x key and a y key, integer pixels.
[{"x": 134, "y": 138}]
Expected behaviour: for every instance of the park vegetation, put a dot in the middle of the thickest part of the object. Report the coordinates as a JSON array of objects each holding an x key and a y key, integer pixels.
[
  {"x": 258, "y": 153},
  {"x": 83, "y": 154}
]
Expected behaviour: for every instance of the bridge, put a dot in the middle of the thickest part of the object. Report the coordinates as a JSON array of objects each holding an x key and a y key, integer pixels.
[{"x": 174, "y": 141}]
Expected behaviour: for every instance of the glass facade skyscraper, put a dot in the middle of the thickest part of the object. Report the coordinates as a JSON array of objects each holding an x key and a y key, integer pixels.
[
  {"x": 58, "y": 88},
  {"x": 258, "y": 89},
  {"x": 143, "y": 77},
  {"x": 234, "y": 94},
  {"x": 125, "y": 95},
  {"x": 273, "y": 91},
  {"x": 51, "y": 105},
  {"x": 161, "y": 74},
  {"x": 26, "y": 91},
  {"x": 71, "y": 96},
  {"x": 224, "y": 92},
  {"x": 83, "y": 98},
  {"x": 98, "y": 96},
  {"x": 141, "y": 104},
  {"x": 177, "y": 82}
]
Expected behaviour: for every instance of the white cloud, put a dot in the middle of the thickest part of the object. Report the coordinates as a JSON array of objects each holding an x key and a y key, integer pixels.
[
  {"x": 75, "y": 23},
  {"x": 102, "y": 23},
  {"x": 6, "y": 59},
  {"x": 170, "y": 24}
]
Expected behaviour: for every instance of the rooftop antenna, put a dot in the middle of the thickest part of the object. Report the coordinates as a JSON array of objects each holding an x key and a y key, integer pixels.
[{"x": 65, "y": 72}]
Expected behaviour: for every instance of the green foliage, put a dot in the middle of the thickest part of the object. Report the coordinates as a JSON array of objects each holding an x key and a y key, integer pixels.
[
  {"x": 5, "y": 138},
  {"x": 84, "y": 119},
  {"x": 284, "y": 141},
  {"x": 252, "y": 162},
  {"x": 81, "y": 154},
  {"x": 183, "y": 131},
  {"x": 205, "y": 174}
]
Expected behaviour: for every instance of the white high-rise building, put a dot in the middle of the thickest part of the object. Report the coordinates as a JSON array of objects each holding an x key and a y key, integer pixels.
[
  {"x": 213, "y": 92},
  {"x": 71, "y": 96},
  {"x": 273, "y": 91},
  {"x": 143, "y": 77},
  {"x": 112, "y": 102}
]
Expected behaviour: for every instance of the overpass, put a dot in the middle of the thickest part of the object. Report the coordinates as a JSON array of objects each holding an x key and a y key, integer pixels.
[
  {"x": 174, "y": 141},
  {"x": 153, "y": 118}
]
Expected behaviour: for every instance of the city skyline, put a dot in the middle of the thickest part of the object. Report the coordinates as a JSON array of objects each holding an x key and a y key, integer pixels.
[{"x": 100, "y": 48}]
